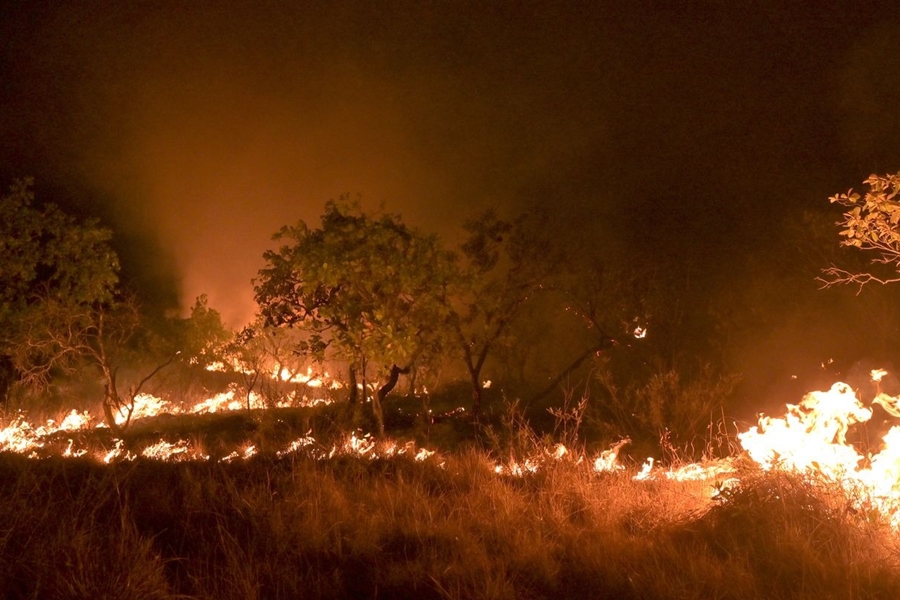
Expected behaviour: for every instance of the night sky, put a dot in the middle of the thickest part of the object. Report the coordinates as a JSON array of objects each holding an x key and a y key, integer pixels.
[{"x": 196, "y": 129}]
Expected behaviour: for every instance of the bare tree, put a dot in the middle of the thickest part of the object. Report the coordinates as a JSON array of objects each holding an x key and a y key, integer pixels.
[{"x": 62, "y": 338}]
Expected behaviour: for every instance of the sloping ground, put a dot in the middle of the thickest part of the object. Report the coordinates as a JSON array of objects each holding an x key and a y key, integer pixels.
[{"x": 445, "y": 527}]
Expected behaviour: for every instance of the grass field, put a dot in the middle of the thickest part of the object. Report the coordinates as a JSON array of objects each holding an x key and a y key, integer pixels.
[{"x": 295, "y": 526}]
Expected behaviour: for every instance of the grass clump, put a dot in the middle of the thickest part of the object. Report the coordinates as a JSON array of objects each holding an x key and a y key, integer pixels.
[{"x": 799, "y": 535}]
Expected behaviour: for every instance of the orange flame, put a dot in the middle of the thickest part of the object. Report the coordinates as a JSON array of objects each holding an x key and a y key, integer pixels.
[{"x": 811, "y": 437}]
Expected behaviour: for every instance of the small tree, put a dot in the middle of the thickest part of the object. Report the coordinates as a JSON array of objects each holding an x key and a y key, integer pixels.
[
  {"x": 200, "y": 340},
  {"x": 505, "y": 262},
  {"x": 54, "y": 271},
  {"x": 872, "y": 224},
  {"x": 203, "y": 336},
  {"x": 63, "y": 339},
  {"x": 265, "y": 357},
  {"x": 367, "y": 288},
  {"x": 610, "y": 304}
]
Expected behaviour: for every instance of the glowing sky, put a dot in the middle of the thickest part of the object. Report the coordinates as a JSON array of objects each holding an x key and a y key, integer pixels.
[{"x": 199, "y": 128}]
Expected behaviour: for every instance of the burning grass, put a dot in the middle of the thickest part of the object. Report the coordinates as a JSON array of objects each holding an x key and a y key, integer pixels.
[
  {"x": 287, "y": 503},
  {"x": 445, "y": 527}
]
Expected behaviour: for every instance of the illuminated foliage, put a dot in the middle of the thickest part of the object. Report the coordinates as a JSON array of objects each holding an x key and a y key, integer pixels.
[
  {"x": 202, "y": 337},
  {"x": 872, "y": 224},
  {"x": 367, "y": 289},
  {"x": 263, "y": 356},
  {"x": 50, "y": 265},
  {"x": 197, "y": 342},
  {"x": 62, "y": 312},
  {"x": 45, "y": 253}
]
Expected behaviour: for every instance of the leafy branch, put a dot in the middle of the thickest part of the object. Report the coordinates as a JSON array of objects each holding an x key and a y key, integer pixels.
[{"x": 871, "y": 224}]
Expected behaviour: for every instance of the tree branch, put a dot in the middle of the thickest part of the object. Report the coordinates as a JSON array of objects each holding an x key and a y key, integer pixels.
[{"x": 835, "y": 275}]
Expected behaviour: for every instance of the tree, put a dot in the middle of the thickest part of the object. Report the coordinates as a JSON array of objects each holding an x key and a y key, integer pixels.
[
  {"x": 201, "y": 340},
  {"x": 505, "y": 262},
  {"x": 610, "y": 303},
  {"x": 64, "y": 338},
  {"x": 265, "y": 357},
  {"x": 62, "y": 309},
  {"x": 367, "y": 288},
  {"x": 872, "y": 224},
  {"x": 50, "y": 265}
]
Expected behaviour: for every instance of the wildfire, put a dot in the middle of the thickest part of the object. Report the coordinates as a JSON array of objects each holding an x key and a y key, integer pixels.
[
  {"x": 178, "y": 451},
  {"x": 21, "y": 436},
  {"x": 812, "y": 437}
]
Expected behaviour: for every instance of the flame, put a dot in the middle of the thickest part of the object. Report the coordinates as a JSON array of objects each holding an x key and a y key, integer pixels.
[
  {"x": 609, "y": 459},
  {"x": 248, "y": 451},
  {"x": 145, "y": 405},
  {"x": 223, "y": 401},
  {"x": 173, "y": 452},
  {"x": 72, "y": 452},
  {"x": 310, "y": 379},
  {"x": 76, "y": 420},
  {"x": 811, "y": 437},
  {"x": 19, "y": 435},
  {"x": 701, "y": 472},
  {"x": 645, "y": 471}
]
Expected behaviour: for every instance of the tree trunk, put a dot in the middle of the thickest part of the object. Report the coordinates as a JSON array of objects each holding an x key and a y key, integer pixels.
[
  {"x": 391, "y": 382},
  {"x": 364, "y": 396},
  {"x": 111, "y": 400},
  {"x": 250, "y": 383},
  {"x": 411, "y": 377},
  {"x": 477, "y": 393},
  {"x": 378, "y": 414},
  {"x": 376, "y": 400},
  {"x": 7, "y": 378},
  {"x": 354, "y": 391}
]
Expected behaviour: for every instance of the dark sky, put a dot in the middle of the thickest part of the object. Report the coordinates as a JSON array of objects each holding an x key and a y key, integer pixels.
[{"x": 197, "y": 129}]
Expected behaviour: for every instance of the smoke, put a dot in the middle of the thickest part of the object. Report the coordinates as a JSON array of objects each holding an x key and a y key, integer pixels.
[{"x": 207, "y": 128}]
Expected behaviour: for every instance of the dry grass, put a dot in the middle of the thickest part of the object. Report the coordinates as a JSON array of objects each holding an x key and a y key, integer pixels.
[{"x": 351, "y": 528}]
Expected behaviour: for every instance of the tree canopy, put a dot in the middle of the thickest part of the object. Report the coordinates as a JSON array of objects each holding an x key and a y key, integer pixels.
[
  {"x": 368, "y": 289},
  {"x": 50, "y": 265},
  {"x": 504, "y": 263},
  {"x": 45, "y": 253}
]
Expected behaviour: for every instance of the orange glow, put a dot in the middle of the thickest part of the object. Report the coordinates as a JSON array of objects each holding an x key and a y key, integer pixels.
[{"x": 812, "y": 437}]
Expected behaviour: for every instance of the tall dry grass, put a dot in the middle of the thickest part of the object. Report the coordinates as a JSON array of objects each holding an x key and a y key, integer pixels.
[{"x": 444, "y": 528}]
